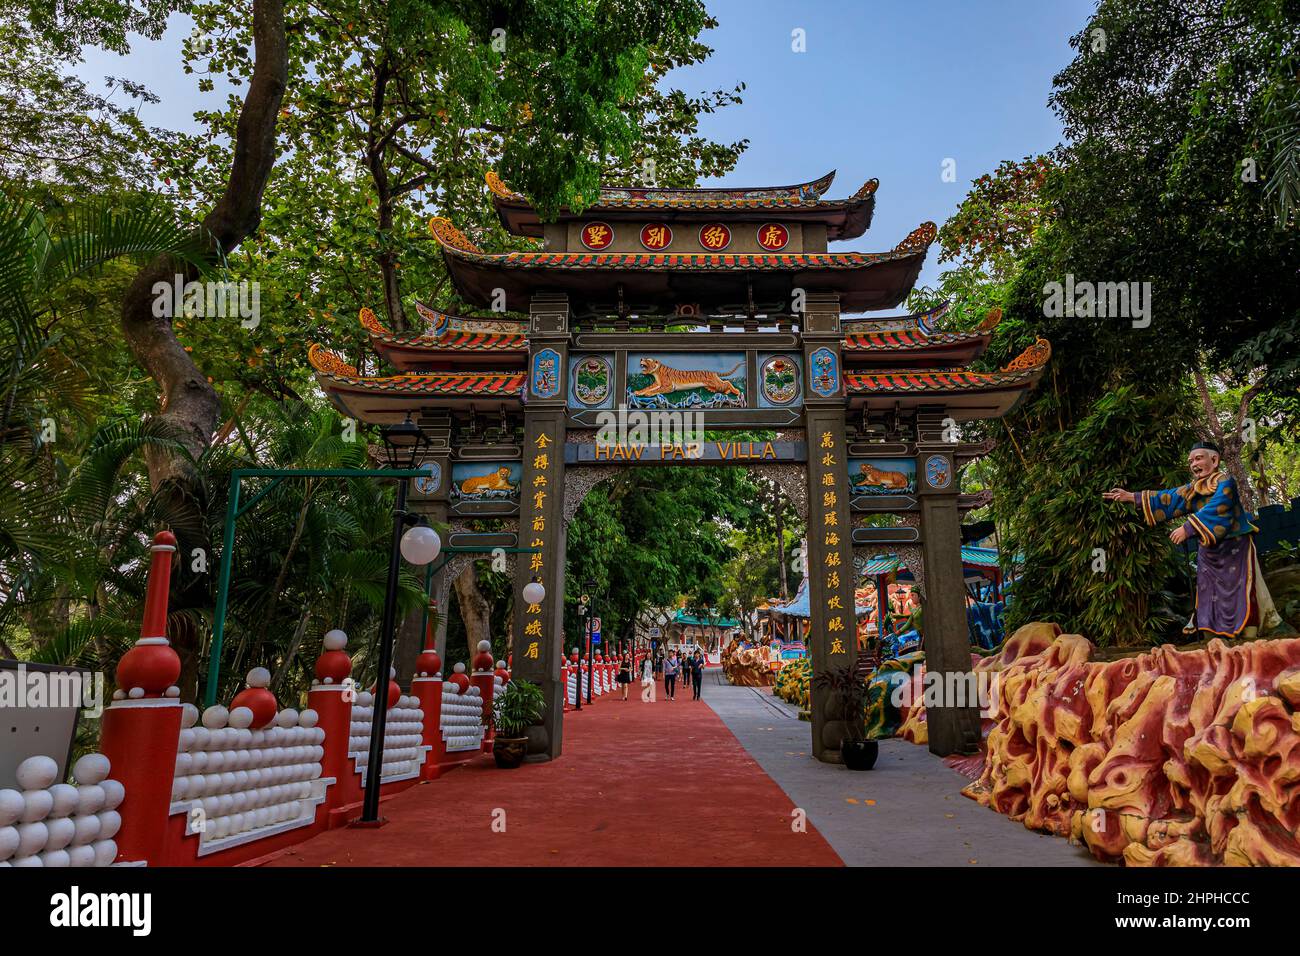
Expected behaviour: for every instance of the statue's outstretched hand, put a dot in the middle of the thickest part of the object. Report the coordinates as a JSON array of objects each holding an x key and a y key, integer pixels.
[
  {"x": 1178, "y": 535},
  {"x": 1119, "y": 494}
]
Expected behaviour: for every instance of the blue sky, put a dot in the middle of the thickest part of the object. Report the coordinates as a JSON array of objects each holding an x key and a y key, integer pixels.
[
  {"x": 888, "y": 89},
  {"x": 885, "y": 88}
]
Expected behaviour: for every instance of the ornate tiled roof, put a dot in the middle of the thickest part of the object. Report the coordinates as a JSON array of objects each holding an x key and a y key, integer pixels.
[
  {"x": 331, "y": 367},
  {"x": 451, "y": 334},
  {"x": 801, "y": 195},
  {"x": 684, "y": 261},
  {"x": 864, "y": 280},
  {"x": 455, "y": 243},
  {"x": 1024, "y": 369},
  {"x": 917, "y": 333},
  {"x": 801, "y": 203}
]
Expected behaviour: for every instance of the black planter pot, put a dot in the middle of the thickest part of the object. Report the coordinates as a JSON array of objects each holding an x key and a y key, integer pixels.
[
  {"x": 509, "y": 752},
  {"x": 859, "y": 754}
]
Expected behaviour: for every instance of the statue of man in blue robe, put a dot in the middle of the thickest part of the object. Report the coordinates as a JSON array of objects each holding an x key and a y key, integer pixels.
[{"x": 1231, "y": 600}]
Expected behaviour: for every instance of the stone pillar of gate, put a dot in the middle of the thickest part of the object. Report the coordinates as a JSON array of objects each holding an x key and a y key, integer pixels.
[
  {"x": 538, "y": 632},
  {"x": 954, "y": 725},
  {"x": 428, "y": 496},
  {"x": 832, "y": 632}
]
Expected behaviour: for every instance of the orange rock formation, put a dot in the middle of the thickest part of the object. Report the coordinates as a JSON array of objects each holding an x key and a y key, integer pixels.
[{"x": 1168, "y": 758}]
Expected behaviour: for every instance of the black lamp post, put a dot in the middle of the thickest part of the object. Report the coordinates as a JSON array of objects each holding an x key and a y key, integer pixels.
[
  {"x": 403, "y": 445},
  {"x": 591, "y": 656}
]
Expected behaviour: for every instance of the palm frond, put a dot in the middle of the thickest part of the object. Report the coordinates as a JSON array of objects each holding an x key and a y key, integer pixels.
[
  {"x": 97, "y": 642},
  {"x": 102, "y": 232}
]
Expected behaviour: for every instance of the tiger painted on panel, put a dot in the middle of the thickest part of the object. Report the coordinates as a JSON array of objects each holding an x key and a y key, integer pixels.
[
  {"x": 498, "y": 480},
  {"x": 668, "y": 379}
]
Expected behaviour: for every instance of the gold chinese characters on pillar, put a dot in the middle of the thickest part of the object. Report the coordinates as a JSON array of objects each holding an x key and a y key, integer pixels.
[
  {"x": 832, "y": 562},
  {"x": 535, "y": 498}
]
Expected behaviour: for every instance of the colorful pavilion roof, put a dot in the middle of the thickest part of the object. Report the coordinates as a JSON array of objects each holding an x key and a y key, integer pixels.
[
  {"x": 864, "y": 280},
  {"x": 844, "y": 218},
  {"x": 967, "y": 394},
  {"x": 916, "y": 339},
  {"x": 448, "y": 340},
  {"x": 387, "y": 398}
]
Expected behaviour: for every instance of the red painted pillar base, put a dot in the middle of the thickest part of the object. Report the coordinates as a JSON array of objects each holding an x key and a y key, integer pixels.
[
  {"x": 485, "y": 681},
  {"x": 140, "y": 739},
  {"x": 333, "y": 706},
  {"x": 428, "y": 690}
]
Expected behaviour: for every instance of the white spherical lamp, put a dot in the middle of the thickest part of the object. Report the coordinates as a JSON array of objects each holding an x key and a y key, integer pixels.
[
  {"x": 421, "y": 544},
  {"x": 534, "y": 593}
]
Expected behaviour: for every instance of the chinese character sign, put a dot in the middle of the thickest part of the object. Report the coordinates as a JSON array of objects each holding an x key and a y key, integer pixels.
[
  {"x": 535, "y": 530},
  {"x": 597, "y": 235},
  {"x": 715, "y": 237},
  {"x": 656, "y": 236},
  {"x": 837, "y": 577},
  {"x": 773, "y": 236}
]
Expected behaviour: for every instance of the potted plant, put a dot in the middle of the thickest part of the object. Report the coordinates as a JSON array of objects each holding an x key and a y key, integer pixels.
[
  {"x": 850, "y": 690},
  {"x": 517, "y": 709}
]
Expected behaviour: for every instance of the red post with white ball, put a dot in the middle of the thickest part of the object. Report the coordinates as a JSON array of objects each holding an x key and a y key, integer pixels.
[
  {"x": 143, "y": 723},
  {"x": 484, "y": 678},
  {"x": 426, "y": 687},
  {"x": 331, "y": 696}
]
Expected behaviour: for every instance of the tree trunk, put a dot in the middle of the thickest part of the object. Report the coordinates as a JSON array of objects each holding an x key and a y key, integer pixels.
[
  {"x": 1232, "y": 444},
  {"x": 189, "y": 403},
  {"x": 410, "y": 642},
  {"x": 376, "y": 161},
  {"x": 780, "y": 540},
  {"x": 475, "y": 610}
]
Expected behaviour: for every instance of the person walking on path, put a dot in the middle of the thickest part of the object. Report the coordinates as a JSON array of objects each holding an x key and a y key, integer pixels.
[
  {"x": 647, "y": 682},
  {"x": 624, "y": 674},
  {"x": 671, "y": 668},
  {"x": 697, "y": 674}
]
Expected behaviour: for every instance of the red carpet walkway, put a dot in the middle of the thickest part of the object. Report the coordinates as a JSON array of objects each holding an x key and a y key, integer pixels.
[{"x": 662, "y": 784}]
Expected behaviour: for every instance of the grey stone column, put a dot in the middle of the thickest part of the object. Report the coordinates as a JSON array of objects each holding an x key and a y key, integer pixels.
[
  {"x": 954, "y": 726},
  {"x": 538, "y": 632},
  {"x": 832, "y": 632}
]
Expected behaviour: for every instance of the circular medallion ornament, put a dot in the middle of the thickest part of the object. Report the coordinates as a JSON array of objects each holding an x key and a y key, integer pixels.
[
  {"x": 715, "y": 237},
  {"x": 656, "y": 236},
  {"x": 938, "y": 473},
  {"x": 779, "y": 378},
  {"x": 597, "y": 235},
  {"x": 591, "y": 380},
  {"x": 773, "y": 236},
  {"x": 429, "y": 482}
]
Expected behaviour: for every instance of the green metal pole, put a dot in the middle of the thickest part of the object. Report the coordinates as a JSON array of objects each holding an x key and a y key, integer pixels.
[
  {"x": 234, "y": 512},
  {"x": 223, "y": 591},
  {"x": 428, "y": 595}
]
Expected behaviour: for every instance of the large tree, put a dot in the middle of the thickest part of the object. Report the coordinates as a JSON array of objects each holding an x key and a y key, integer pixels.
[
  {"x": 415, "y": 98},
  {"x": 1171, "y": 111}
]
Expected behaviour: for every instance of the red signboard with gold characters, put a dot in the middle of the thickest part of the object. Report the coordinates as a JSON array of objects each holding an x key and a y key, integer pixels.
[
  {"x": 773, "y": 236},
  {"x": 715, "y": 237},
  {"x": 656, "y": 235},
  {"x": 597, "y": 235}
]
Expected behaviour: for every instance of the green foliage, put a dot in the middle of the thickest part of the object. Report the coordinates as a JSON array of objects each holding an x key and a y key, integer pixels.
[
  {"x": 1170, "y": 122},
  {"x": 59, "y": 138},
  {"x": 1104, "y": 595},
  {"x": 754, "y": 574},
  {"x": 998, "y": 219},
  {"x": 575, "y": 93},
  {"x": 518, "y": 708},
  {"x": 1167, "y": 106},
  {"x": 850, "y": 690},
  {"x": 650, "y": 536}
]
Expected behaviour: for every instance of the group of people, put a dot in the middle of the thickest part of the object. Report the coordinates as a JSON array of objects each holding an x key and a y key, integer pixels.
[{"x": 689, "y": 668}]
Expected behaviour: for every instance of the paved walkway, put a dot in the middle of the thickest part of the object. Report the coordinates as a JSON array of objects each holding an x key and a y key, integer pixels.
[
  {"x": 691, "y": 783},
  {"x": 907, "y": 811},
  {"x": 663, "y": 784}
]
